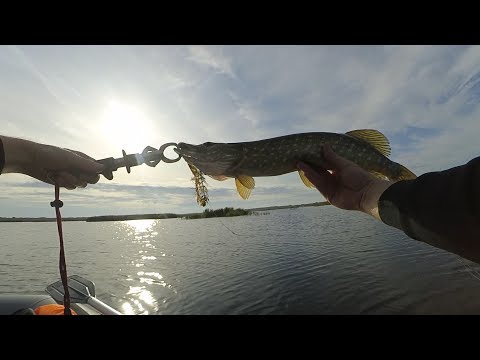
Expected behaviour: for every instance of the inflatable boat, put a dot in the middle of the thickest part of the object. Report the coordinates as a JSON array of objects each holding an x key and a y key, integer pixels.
[{"x": 82, "y": 299}]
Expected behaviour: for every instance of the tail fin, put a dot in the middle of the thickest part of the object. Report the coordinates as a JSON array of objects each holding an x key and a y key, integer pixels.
[{"x": 405, "y": 174}]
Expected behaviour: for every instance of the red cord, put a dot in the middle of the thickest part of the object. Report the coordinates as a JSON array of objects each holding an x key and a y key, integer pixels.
[{"x": 62, "y": 265}]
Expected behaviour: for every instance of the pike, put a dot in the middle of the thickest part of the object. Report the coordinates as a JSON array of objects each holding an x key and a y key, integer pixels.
[{"x": 277, "y": 156}]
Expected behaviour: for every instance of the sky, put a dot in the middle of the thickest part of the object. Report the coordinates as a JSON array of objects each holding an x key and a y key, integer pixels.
[{"x": 101, "y": 100}]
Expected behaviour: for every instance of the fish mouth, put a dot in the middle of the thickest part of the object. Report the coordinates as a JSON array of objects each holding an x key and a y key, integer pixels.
[
  {"x": 197, "y": 155},
  {"x": 209, "y": 158},
  {"x": 187, "y": 151}
]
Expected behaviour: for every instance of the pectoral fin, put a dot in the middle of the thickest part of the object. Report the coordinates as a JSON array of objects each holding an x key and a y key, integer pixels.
[
  {"x": 378, "y": 175},
  {"x": 246, "y": 181},
  {"x": 305, "y": 179},
  {"x": 242, "y": 190},
  {"x": 244, "y": 184}
]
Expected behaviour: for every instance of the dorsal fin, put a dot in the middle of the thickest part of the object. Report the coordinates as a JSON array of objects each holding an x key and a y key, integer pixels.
[{"x": 374, "y": 138}]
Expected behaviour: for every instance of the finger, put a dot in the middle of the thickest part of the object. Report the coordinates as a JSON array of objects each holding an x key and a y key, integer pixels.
[
  {"x": 49, "y": 178},
  {"x": 336, "y": 162},
  {"x": 321, "y": 178},
  {"x": 91, "y": 179},
  {"x": 66, "y": 180},
  {"x": 82, "y": 185},
  {"x": 108, "y": 175}
]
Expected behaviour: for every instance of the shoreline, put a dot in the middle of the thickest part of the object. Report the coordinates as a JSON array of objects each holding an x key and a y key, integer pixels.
[{"x": 146, "y": 216}]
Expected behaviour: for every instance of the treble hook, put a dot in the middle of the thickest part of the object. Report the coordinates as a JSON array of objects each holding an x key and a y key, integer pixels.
[{"x": 149, "y": 156}]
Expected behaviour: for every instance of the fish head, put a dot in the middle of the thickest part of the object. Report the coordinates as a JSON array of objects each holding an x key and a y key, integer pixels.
[{"x": 210, "y": 158}]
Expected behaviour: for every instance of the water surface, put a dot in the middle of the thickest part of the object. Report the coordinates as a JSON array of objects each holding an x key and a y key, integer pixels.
[{"x": 314, "y": 260}]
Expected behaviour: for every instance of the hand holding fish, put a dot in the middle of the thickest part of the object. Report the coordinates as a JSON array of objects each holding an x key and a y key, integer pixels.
[
  {"x": 50, "y": 164},
  {"x": 348, "y": 186},
  {"x": 438, "y": 208}
]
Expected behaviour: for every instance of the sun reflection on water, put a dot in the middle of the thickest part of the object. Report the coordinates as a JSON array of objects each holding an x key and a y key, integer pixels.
[
  {"x": 139, "y": 297},
  {"x": 144, "y": 296},
  {"x": 141, "y": 226}
]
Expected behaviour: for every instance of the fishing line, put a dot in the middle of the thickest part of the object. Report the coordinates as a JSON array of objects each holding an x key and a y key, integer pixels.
[{"x": 221, "y": 222}]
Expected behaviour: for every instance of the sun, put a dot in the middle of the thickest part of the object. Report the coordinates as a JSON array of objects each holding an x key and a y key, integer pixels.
[{"x": 124, "y": 125}]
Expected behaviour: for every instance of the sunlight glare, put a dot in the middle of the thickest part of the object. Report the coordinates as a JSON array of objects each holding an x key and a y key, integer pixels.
[
  {"x": 124, "y": 125},
  {"x": 140, "y": 226}
]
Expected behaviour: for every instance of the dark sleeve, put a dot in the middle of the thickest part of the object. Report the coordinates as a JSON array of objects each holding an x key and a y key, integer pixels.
[
  {"x": 2, "y": 156},
  {"x": 439, "y": 208}
]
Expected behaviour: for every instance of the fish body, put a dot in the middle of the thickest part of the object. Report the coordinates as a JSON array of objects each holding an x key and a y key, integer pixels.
[{"x": 279, "y": 155}]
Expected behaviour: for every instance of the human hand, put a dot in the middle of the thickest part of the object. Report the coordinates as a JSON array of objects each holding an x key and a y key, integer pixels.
[
  {"x": 50, "y": 164},
  {"x": 349, "y": 186}
]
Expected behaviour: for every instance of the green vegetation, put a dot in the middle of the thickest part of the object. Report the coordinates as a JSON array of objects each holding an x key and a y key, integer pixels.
[
  {"x": 130, "y": 217},
  {"x": 39, "y": 219},
  {"x": 206, "y": 214},
  {"x": 321, "y": 203},
  {"x": 225, "y": 212}
]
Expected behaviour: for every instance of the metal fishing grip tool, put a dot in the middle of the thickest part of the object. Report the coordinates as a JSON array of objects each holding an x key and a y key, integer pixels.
[{"x": 149, "y": 156}]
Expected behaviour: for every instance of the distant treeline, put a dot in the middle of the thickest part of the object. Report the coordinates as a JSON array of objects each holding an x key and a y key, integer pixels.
[
  {"x": 130, "y": 217},
  {"x": 38, "y": 219},
  {"x": 228, "y": 211},
  {"x": 225, "y": 212}
]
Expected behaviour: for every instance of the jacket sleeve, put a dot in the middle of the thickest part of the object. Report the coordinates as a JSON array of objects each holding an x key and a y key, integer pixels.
[{"x": 439, "y": 208}]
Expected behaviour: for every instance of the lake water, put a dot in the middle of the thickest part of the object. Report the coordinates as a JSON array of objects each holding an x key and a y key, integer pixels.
[{"x": 316, "y": 260}]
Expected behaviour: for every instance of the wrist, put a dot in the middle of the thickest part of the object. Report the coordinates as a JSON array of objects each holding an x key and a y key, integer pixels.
[
  {"x": 18, "y": 154},
  {"x": 371, "y": 196}
]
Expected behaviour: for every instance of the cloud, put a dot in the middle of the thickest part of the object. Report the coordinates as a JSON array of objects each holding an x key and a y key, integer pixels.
[
  {"x": 423, "y": 98},
  {"x": 211, "y": 57}
]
